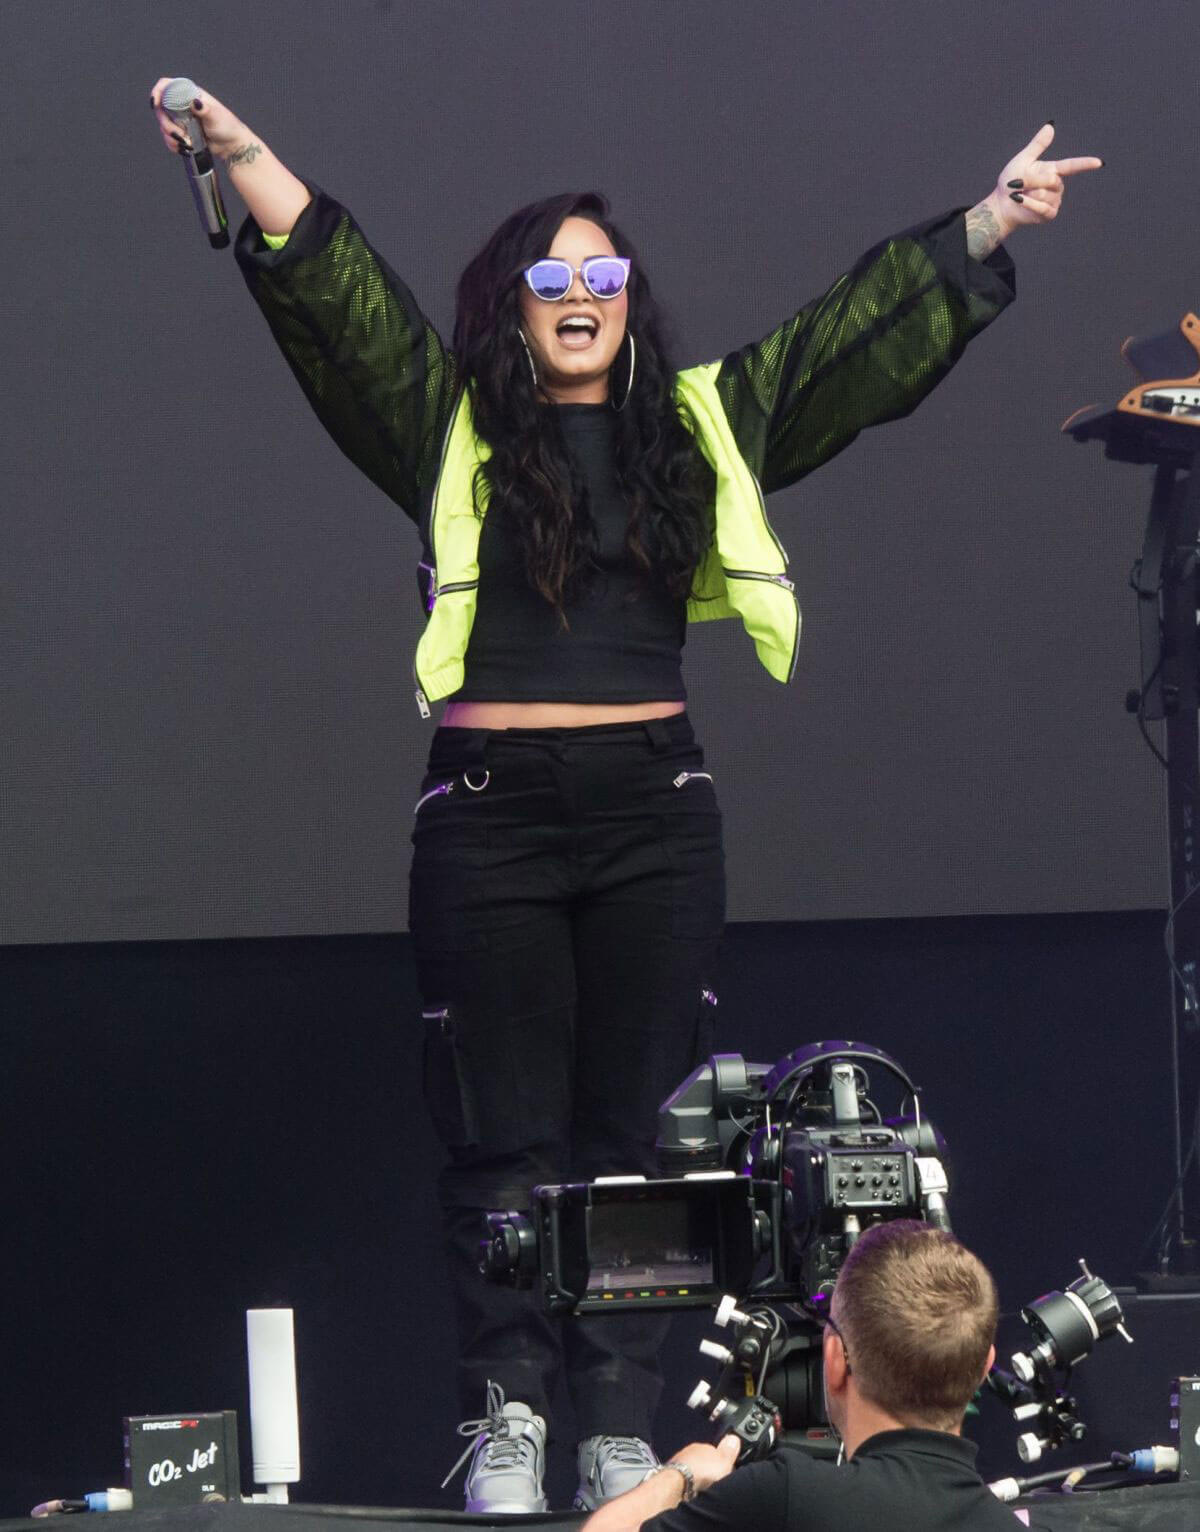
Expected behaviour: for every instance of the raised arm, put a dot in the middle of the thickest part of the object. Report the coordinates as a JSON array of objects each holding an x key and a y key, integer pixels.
[
  {"x": 1029, "y": 190},
  {"x": 370, "y": 364},
  {"x": 882, "y": 337},
  {"x": 274, "y": 196}
]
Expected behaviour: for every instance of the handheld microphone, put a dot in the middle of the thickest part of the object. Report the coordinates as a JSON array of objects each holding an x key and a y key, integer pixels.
[{"x": 177, "y": 100}]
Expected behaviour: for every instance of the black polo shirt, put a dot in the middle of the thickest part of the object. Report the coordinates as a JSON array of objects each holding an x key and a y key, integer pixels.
[{"x": 897, "y": 1481}]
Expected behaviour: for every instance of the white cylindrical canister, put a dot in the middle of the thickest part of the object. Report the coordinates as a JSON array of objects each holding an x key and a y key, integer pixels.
[{"x": 274, "y": 1412}]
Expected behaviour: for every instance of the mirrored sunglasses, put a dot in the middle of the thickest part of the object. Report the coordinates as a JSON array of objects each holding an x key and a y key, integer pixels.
[{"x": 604, "y": 276}]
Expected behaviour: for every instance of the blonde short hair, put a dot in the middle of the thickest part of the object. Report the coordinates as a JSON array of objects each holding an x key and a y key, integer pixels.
[{"x": 918, "y": 1313}]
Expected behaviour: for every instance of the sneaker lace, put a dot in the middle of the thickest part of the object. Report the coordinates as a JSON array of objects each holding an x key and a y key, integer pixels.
[
  {"x": 625, "y": 1452},
  {"x": 504, "y": 1450}
]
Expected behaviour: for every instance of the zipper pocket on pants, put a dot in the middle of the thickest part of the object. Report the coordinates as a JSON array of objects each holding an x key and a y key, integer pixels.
[
  {"x": 439, "y": 791},
  {"x": 691, "y": 776}
]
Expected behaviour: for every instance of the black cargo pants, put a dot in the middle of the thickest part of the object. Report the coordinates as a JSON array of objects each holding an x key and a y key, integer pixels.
[{"x": 567, "y": 899}]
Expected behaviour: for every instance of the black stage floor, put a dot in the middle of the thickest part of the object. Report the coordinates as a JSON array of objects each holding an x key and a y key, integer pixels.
[{"x": 1154, "y": 1508}]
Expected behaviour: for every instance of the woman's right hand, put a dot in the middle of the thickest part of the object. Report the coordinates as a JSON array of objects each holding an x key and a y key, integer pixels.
[
  {"x": 272, "y": 194},
  {"x": 223, "y": 131}
]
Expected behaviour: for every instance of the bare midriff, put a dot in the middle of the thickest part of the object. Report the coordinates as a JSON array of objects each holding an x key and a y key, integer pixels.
[{"x": 552, "y": 715}]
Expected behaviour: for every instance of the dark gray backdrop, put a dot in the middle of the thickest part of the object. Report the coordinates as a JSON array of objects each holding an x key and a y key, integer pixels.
[{"x": 208, "y": 615}]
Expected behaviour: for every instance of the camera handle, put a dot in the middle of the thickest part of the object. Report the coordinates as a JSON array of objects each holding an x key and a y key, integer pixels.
[{"x": 755, "y": 1421}]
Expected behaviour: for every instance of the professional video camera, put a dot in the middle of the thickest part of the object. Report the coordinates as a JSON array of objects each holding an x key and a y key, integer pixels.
[{"x": 770, "y": 1173}]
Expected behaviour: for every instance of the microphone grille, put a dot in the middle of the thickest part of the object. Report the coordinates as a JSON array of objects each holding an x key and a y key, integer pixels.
[{"x": 179, "y": 94}]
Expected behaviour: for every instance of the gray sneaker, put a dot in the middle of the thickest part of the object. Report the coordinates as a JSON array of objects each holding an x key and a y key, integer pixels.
[
  {"x": 609, "y": 1465},
  {"x": 508, "y": 1458}
]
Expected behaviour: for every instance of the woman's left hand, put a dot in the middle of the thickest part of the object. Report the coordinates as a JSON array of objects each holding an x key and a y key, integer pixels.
[{"x": 1030, "y": 188}]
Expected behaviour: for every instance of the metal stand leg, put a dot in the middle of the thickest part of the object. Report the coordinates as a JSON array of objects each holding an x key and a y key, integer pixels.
[{"x": 1171, "y": 691}]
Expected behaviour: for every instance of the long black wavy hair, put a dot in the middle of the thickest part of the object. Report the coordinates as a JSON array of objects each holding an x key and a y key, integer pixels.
[{"x": 667, "y": 482}]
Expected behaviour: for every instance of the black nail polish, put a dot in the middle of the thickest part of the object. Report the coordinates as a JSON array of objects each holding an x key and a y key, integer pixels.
[
  {"x": 1016, "y": 185},
  {"x": 198, "y": 104},
  {"x": 1016, "y": 196},
  {"x": 1049, "y": 122}
]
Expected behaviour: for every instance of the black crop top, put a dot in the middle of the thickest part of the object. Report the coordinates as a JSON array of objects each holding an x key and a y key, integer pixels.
[
  {"x": 625, "y": 635},
  {"x": 381, "y": 381}
]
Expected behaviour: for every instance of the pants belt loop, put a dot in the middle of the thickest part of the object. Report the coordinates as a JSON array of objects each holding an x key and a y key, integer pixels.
[
  {"x": 475, "y": 755},
  {"x": 658, "y": 734}
]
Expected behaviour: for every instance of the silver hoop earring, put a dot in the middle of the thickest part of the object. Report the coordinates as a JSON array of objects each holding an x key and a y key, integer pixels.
[
  {"x": 632, "y": 363},
  {"x": 529, "y": 358}
]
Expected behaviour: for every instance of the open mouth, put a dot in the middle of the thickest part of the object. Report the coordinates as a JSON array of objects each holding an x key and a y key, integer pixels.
[{"x": 577, "y": 331}]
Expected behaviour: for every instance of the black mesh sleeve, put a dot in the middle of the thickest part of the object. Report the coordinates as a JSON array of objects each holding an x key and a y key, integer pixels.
[
  {"x": 370, "y": 364},
  {"x": 867, "y": 351}
]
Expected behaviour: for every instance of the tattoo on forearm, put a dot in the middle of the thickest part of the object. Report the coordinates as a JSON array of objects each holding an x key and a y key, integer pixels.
[
  {"x": 983, "y": 232},
  {"x": 246, "y": 155}
]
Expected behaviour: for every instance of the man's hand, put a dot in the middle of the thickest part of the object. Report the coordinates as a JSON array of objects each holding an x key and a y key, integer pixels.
[
  {"x": 709, "y": 1463},
  {"x": 663, "y": 1490},
  {"x": 1029, "y": 190}
]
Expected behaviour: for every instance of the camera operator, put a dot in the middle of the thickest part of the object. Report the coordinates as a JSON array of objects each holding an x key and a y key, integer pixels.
[{"x": 907, "y": 1342}]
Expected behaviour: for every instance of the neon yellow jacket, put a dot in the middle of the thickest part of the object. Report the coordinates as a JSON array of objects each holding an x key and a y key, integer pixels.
[
  {"x": 867, "y": 350},
  {"x": 743, "y": 575}
]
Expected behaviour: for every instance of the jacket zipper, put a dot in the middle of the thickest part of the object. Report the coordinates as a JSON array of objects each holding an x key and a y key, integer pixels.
[
  {"x": 785, "y": 584},
  {"x": 750, "y": 574},
  {"x": 691, "y": 776},
  {"x": 762, "y": 505},
  {"x": 422, "y": 700},
  {"x": 436, "y": 591}
]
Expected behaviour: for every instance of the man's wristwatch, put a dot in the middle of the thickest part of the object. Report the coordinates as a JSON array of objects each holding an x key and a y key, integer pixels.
[{"x": 689, "y": 1478}]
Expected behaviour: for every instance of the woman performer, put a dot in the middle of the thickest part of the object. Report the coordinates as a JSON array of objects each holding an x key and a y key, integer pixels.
[{"x": 577, "y": 500}]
